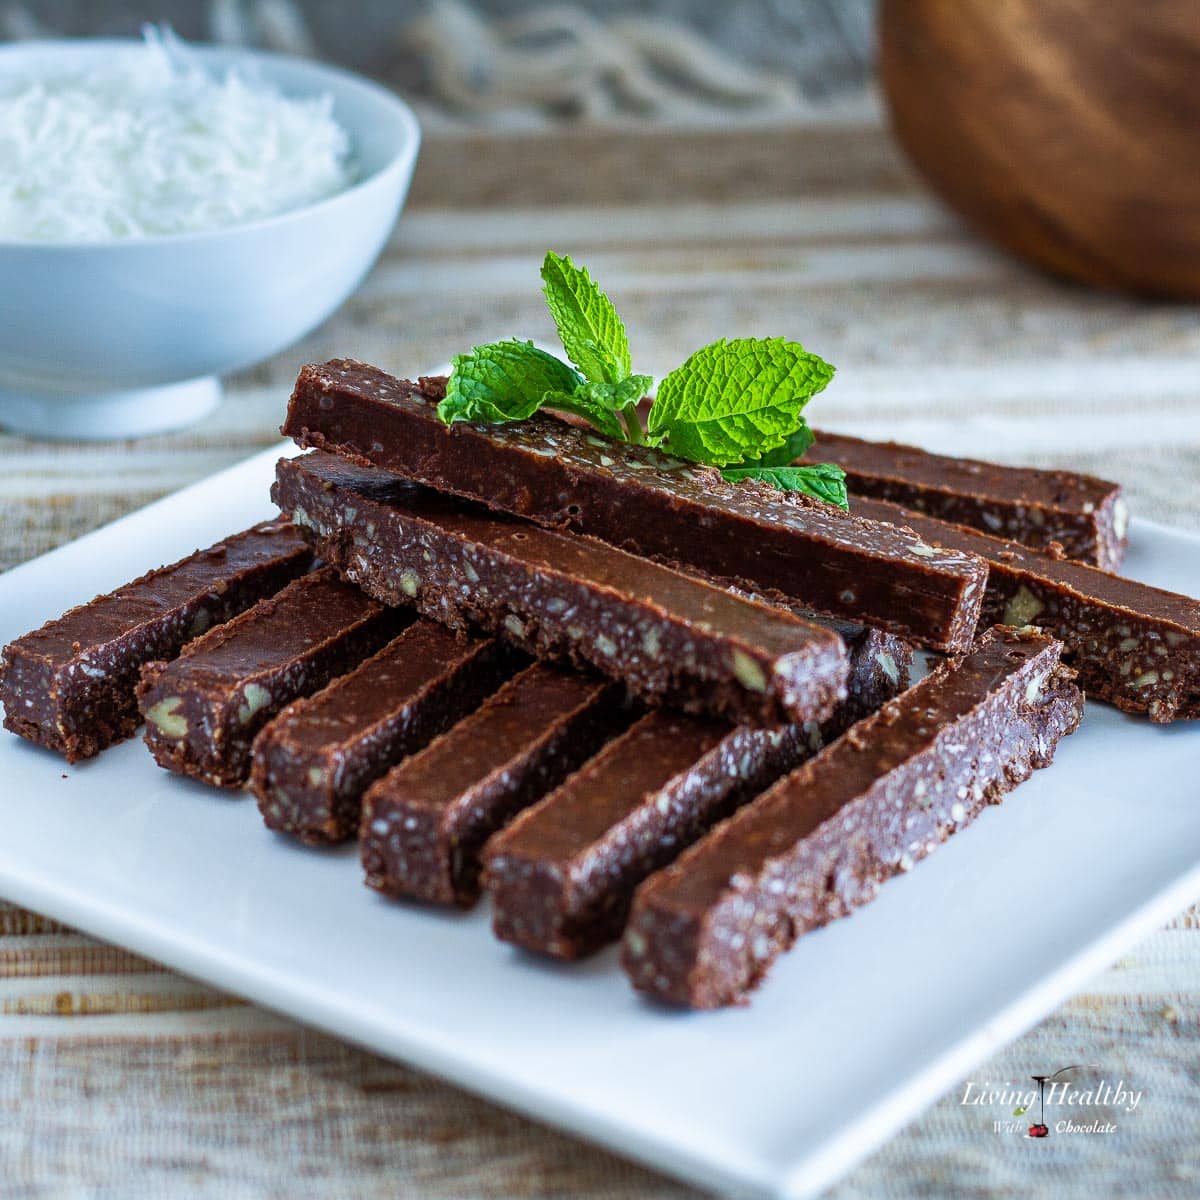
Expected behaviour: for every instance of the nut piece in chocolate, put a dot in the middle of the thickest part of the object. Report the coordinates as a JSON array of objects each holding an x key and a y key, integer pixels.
[
  {"x": 69, "y": 686},
  {"x": 705, "y": 930}
]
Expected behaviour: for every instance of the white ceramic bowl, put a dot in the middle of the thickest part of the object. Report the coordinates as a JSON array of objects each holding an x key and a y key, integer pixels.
[{"x": 120, "y": 338}]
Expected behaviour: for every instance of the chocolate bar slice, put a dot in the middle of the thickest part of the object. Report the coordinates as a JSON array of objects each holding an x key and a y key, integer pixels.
[
  {"x": 1087, "y": 516},
  {"x": 562, "y": 875},
  {"x": 669, "y": 637},
  {"x": 645, "y": 502},
  {"x": 69, "y": 686},
  {"x": 312, "y": 763},
  {"x": 425, "y": 822},
  {"x": 704, "y": 931},
  {"x": 203, "y": 710},
  {"x": 1135, "y": 646}
]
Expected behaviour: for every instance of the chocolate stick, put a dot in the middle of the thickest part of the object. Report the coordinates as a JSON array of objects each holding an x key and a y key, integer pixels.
[
  {"x": 69, "y": 686},
  {"x": 425, "y": 822},
  {"x": 704, "y": 931},
  {"x": 671, "y": 638},
  {"x": 1135, "y": 646},
  {"x": 203, "y": 710},
  {"x": 562, "y": 875},
  {"x": 313, "y": 762},
  {"x": 560, "y": 476},
  {"x": 1087, "y": 516}
]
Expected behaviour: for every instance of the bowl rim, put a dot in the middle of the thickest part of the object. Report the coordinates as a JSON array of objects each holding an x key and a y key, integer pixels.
[{"x": 404, "y": 157}]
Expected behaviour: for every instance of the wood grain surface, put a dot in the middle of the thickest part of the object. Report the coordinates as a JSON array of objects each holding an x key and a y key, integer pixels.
[
  {"x": 118, "y": 1078},
  {"x": 1070, "y": 136}
]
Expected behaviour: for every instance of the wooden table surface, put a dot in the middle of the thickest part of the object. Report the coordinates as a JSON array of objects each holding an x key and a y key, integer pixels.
[{"x": 118, "y": 1077}]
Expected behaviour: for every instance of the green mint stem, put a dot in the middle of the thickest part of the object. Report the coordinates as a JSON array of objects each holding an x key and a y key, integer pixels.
[{"x": 633, "y": 426}]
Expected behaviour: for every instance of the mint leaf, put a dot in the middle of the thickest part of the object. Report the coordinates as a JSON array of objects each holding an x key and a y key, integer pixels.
[
  {"x": 605, "y": 419},
  {"x": 503, "y": 381},
  {"x": 825, "y": 481},
  {"x": 601, "y": 403},
  {"x": 623, "y": 398},
  {"x": 737, "y": 398},
  {"x": 794, "y": 447},
  {"x": 629, "y": 393},
  {"x": 590, "y": 330}
]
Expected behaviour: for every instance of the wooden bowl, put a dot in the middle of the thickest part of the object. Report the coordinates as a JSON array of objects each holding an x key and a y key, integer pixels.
[{"x": 1068, "y": 131}]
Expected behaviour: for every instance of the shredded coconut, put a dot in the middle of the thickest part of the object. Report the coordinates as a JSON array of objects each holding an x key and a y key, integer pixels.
[{"x": 150, "y": 143}]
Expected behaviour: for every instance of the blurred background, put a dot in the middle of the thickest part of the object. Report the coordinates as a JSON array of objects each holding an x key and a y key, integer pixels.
[
  {"x": 589, "y": 57},
  {"x": 724, "y": 167}
]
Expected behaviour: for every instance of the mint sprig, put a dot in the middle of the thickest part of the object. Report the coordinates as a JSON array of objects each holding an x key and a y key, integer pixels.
[{"x": 737, "y": 404}]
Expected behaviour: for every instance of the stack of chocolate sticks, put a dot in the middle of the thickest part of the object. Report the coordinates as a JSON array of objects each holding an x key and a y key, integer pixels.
[{"x": 623, "y": 697}]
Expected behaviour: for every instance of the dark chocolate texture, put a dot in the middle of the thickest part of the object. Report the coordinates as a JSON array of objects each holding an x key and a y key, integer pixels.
[
  {"x": 70, "y": 685},
  {"x": 670, "y": 637},
  {"x": 203, "y": 710},
  {"x": 313, "y": 762},
  {"x": 1087, "y": 516},
  {"x": 561, "y": 876},
  {"x": 818, "y": 844},
  {"x": 1135, "y": 646},
  {"x": 643, "y": 501},
  {"x": 425, "y": 822}
]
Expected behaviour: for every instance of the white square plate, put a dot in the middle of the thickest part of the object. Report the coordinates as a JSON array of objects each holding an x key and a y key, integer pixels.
[{"x": 857, "y": 1028}]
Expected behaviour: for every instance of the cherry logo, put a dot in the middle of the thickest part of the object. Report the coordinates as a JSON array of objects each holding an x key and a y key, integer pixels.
[{"x": 1041, "y": 1129}]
